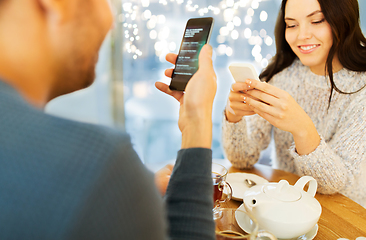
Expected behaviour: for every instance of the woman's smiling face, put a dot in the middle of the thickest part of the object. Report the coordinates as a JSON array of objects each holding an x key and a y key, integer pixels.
[{"x": 308, "y": 34}]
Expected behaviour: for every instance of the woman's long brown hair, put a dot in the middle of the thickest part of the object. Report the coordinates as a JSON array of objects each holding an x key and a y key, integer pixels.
[{"x": 349, "y": 44}]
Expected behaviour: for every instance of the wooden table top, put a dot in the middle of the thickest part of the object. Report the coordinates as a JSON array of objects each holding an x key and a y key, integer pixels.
[{"x": 341, "y": 217}]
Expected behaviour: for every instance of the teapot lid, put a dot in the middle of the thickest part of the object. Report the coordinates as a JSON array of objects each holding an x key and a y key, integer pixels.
[{"x": 282, "y": 191}]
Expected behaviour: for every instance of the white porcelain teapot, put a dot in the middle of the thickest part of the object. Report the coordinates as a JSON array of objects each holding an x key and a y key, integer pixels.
[{"x": 286, "y": 211}]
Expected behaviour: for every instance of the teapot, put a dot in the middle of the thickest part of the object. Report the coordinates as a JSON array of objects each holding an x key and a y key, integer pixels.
[{"x": 284, "y": 210}]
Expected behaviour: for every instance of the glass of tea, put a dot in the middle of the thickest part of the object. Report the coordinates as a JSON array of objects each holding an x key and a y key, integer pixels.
[
  {"x": 238, "y": 224},
  {"x": 222, "y": 189}
]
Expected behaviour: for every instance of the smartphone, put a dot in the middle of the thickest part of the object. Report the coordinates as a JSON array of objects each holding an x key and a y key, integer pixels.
[
  {"x": 243, "y": 71},
  {"x": 196, "y": 34}
]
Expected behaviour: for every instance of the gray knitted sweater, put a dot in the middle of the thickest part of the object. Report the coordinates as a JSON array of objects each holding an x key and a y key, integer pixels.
[
  {"x": 61, "y": 179},
  {"x": 339, "y": 162}
]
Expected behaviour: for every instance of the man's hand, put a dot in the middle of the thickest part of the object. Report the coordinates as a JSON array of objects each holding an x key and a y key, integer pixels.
[
  {"x": 195, "y": 115},
  {"x": 162, "y": 178}
]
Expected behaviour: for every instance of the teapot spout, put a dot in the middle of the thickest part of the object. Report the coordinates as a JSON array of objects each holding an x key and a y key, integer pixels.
[
  {"x": 249, "y": 203},
  {"x": 252, "y": 201}
]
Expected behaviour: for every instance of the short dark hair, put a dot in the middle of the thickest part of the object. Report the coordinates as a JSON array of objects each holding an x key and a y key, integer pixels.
[{"x": 349, "y": 44}]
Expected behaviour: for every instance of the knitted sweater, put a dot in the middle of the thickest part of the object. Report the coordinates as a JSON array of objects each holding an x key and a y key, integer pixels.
[
  {"x": 339, "y": 162},
  {"x": 61, "y": 179}
]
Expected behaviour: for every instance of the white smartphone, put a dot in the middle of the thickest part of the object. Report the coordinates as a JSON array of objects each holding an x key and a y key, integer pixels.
[{"x": 243, "y": 71}]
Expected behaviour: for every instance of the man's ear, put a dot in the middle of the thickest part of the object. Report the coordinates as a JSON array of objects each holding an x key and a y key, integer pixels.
[{"x": 56, "y": 10}]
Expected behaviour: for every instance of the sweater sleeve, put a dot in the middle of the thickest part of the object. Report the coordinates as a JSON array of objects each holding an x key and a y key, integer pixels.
[
  {"x": 337, "y": 163},
  {"x": 189, "y": 196},
  {"x": 243, "y": 141}
]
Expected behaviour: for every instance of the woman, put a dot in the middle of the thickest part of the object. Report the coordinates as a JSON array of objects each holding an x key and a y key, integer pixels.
[{"x": 312, "y": 99}]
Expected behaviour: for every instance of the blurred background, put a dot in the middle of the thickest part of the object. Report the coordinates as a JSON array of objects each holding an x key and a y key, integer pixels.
[{"x": 132, "y": 59}]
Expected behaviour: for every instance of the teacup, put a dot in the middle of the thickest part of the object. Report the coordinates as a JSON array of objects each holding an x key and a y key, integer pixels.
[
  {"x": 228, "y": 226},
  {"x": 222, "y": 189}
]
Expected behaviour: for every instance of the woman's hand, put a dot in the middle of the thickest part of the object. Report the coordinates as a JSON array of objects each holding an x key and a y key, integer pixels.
[
  {"x": 236, "y": 106},
  {"x": 282, "y": 111}
]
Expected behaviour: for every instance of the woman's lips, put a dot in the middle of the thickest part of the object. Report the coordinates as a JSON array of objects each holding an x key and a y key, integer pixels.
[{"x": 306, "y": 49}]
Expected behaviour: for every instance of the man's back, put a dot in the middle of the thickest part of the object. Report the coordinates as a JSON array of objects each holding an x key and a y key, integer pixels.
[{"x": 63, "y": 179}]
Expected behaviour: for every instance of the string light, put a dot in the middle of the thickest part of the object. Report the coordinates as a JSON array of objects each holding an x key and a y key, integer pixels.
[{"x": 136, "y": 11}]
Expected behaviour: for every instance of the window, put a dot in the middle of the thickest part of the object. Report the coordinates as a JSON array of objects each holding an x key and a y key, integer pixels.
[
  {"x": 145, "y": 31},
  {"x": 243, "y": 32}
]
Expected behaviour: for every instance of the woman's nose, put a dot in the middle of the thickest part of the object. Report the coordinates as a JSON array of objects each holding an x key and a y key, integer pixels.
[{"x": 304, "y": 32}]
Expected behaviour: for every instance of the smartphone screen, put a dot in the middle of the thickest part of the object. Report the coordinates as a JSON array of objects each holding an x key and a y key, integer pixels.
[{"x": 196, "y": 35}]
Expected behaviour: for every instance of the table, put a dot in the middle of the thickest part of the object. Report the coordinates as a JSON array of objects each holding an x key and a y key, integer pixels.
[{"x": 341, "y": 217}]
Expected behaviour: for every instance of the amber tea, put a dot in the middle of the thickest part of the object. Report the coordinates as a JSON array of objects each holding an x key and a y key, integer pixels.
[{"x": 216, "y": 180}]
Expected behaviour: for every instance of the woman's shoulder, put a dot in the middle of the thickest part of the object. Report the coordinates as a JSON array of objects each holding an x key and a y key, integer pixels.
[{"x": 350, "y": 81}]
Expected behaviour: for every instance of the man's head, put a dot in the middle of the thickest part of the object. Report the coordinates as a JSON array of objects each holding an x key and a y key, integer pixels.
[{"x": 50, "y": 47}]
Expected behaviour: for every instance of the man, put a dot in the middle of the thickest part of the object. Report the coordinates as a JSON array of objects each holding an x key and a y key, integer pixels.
[{"x": 61, "y": 179}]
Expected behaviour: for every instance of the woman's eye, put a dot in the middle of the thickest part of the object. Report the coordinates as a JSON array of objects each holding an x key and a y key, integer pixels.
[
  {"x": 290, "y": 25},
  {"x": 318, "y": 22}
]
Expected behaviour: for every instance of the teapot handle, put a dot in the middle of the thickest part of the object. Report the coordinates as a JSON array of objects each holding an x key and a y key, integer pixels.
[{"x": 313, "y": 185}]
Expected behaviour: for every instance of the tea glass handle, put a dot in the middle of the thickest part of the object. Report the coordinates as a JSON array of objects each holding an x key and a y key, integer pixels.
[
  {"x": 263, "y": 234},
  {"x": 313, "y": 185},
  {"x": 225, "y": 185}
]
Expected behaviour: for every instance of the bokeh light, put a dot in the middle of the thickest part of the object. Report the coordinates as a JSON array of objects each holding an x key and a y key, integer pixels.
[
  {"x": 235, "y": 13},
  {"x": 263, "y": 16},
  {"x": 248, "y": 19}
]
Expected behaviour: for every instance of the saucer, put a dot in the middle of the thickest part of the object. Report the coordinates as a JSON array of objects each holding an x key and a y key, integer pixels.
[
  {"x": 245, "y": 225},
  {"x": 236, "y": 181}
]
